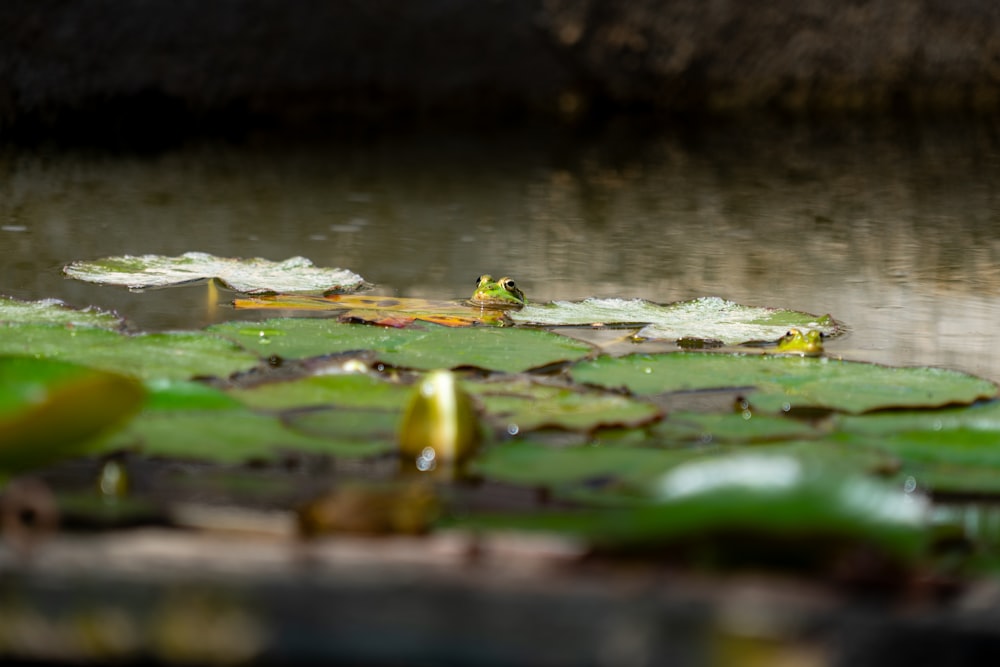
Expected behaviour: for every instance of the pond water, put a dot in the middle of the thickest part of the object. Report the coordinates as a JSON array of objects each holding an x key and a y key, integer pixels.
[{"x": 891, "y": 227}]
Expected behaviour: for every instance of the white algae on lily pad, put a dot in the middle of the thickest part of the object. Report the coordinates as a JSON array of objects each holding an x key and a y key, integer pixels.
[
  {"x": 53, "y": 311},
  {"x": 250, "y": 276},
  {"x": 707, "y": 318}
]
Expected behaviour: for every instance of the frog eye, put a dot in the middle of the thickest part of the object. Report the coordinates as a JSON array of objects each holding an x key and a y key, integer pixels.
[{"x": 508, "y": 284}]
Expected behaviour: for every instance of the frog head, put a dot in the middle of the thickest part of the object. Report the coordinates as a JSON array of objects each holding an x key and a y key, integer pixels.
[
  {"x": 808, "y": 344},
  {"x": 503, "y": 292}
]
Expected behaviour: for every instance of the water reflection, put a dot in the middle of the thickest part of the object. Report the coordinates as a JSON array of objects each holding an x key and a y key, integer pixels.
[{"x": 889, "y": 227}]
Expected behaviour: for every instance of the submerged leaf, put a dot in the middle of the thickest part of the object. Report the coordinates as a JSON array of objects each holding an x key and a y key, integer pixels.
[
  {"x": 251, "y": 276},
  {"x": 774, "y": 383},
  {"x": 707, "y": 318}
]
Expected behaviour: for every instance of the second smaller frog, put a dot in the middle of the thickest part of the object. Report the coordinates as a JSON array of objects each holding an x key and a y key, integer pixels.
[{"x": 808, "y": 344}]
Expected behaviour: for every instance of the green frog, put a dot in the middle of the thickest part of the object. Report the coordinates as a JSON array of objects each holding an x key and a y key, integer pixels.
[
  {"x": 502, "y": 293},
  {"x": 808, "y": 344}
]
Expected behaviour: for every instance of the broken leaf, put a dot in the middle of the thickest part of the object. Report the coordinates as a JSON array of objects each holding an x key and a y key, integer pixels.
[{"x": 251, "y": 276}]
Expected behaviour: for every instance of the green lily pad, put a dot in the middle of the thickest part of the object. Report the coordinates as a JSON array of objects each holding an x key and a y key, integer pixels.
[
  {"x": 349, "y": 432},
  {"x": 774, "y": 383},
  {"x": 298, "y": 338},
  {"x": 165, "y": 394},
  {"x": 521, "y": 405},
  {"x": 981, "y": 417},
  {"x": 496, "y": 349},
  {"x": 224, "y": 436},
  {"x": 177, "y": 355},
  {"x": 708, "y": 318},
  {"x": 774, "y": 496},
  {"x": 504, "y": 349},
  {"x": 53, "y": 311},
  {"x": 531, "y": 464},
  {"x": 350, "y": 390},
  {"x": 250, "y": 276},
  {"x": 733, "y": 428},
  {"x": 50, "y": 409}
]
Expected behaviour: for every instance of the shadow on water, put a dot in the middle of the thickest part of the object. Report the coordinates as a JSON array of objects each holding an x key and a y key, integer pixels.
[{"x": 889, "y": 226}]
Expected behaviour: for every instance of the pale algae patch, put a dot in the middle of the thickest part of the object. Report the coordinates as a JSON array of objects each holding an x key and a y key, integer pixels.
[
  {"x": 707, "y": 318},
  {"x": 250, "y": 275}
]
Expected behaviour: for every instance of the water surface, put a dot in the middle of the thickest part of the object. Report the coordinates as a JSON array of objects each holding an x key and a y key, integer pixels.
[{"x": 890, "y": 227}]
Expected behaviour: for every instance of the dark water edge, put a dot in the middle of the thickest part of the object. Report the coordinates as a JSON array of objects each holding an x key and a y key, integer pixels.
[{"x": 887, "y": 224}]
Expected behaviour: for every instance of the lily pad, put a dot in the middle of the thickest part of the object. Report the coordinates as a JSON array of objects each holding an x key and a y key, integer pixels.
[
  {"x": 348, "y": 432},
  {"x": 250, "y": 276},
  {"x": 225, "y": 436},
  {"x": 733, "y": 428},
  {"x": 177, "y": 355},
  {"x": 530, "y": 464},
  {"x": 495, "y": 349},
  {"x": 191, "y": 420},
  {"x": 707, "y": 318},
  {"x": 352, "y": 390},
  {"x": 776, "y": 496},
  {"x": 774, "y": 383},
  {"x": 505, "y": 350},
  {"x": 51, "y": 409},
  {"x": 521, "y": 405},
  {"x": 53, "y": 311}
]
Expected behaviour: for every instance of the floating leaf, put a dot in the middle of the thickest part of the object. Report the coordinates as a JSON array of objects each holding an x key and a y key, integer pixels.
[
  {"x": 51, "y": 409},
  {"x": 774, "y": 496},
  {"x": 225, "y": 436},
  {"x": 353, "y": 390},
  {"x": 163, "y": 355},
  {"x": 496, "y": 349},
  {"x": 194, "y": 421},
  {"x": 981, "y": 417},
  {"x": 732, "y": 428},
  {"x": 383, "y": 310},
  {"x": 944, "y": 451},
  {"x": 707, "y": 318},
  {"x": 532, "y": 464},
  {"x": 521, "y": 404},
  {"x": 293, "y": 338},
  {"x": 251, "y": 276},
  {"x": 53, "y": 311},
  {"x": 506, "y": 350},
  {"x": 348, "y": 431},
  {"x": 774, "y": 383}
]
